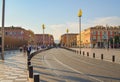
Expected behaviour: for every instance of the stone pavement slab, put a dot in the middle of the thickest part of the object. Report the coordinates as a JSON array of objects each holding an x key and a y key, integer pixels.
[
  {"x": 14, "y": 67},
  {"x": 108, "y": 53}
]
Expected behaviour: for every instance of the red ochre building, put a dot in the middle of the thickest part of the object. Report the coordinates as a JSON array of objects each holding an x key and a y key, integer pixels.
[
  {"x": 94, "y": 37},
  {"x": 99, "y": 37},
  {"x": 16, "y": 37},
  {"x": 69, "y": 40},
  {"x": 44, "y": 39}
]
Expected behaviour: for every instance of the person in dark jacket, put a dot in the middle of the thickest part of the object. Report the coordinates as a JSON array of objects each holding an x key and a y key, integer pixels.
[{"x": 28, "y": 50}]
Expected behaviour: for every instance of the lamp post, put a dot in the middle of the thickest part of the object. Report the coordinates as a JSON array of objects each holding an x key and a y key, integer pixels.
[
  {"x": 80, "y": 15},
  {"x": 67, "y": 36},
  {"x": 49, "y": 39},
  {"x": 43, "y": 27},
  {"x": 3, "y": 19},
  {"x": 107, "y": 36},
  {"x": 113, "y": 42}
]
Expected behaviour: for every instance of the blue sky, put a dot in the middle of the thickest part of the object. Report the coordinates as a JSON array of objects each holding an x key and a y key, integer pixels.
[{"x": 58, "y": 15}]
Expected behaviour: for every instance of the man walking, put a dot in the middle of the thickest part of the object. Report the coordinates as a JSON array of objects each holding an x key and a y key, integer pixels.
[{"x": 28, "y": 50}]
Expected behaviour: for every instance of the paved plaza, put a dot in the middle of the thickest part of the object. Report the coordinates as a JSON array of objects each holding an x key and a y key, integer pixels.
[
  {"x": 108, "y": 53},
  {"x": 60, "y": 65},
  {"x": 13, "y": 68}
]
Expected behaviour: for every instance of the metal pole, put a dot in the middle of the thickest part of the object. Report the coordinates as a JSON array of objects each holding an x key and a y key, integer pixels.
[
  {"x": 107, "y": 39},
  {"x": 107, "y": 36},
  {"x": 3, "y": 19},
  {"x": 43, "y": 37},
  {"x": 80, "y": 32},
  {"x": 67, "y": 39},
  {"x": 113, "y": 42},
  {"x": 49, "y": 40},
  {"x": 100, "y": 42}
]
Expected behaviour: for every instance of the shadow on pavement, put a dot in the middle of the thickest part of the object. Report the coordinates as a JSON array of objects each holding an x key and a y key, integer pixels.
[
  {"x": 112, "y": 78},
  {"x": 62, "y": 78},
  {"x": 56, "y": 69}
]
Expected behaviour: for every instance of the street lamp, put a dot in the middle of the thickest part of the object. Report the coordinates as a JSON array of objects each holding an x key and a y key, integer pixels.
[
  {"x": 107, "y": 36},
  {"x": 80, "y": 15},
  {"x": 3, "y": 19},
  {"x": 49, "y": 40},
  {"x": 113, "y": 42},
  {"x": 67, "y": 36},
  {"x": 43, "y": 27}
]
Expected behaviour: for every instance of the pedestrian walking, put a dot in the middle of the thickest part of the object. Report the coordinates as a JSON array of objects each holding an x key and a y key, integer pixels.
[
  {"x": 29, "y": 50},
  {"x": 20, "y": 49},
  {"x": 25, "y": 48}
]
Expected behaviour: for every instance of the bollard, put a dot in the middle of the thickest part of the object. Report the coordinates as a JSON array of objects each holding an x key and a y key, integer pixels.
[
  {"x": 113, "y": 58},
  {"x": 93, "y": 55},
  {"x": 83, "y": 53},
  {"x": 102, "y": 56},
  {"x": 36, "y": 77},
  {"x": 80, "y": 52},
  {"x": 30, "y": 71},
  {"x": 28, "y": 59},
  {"x": 28, "y": 54},
  {"x": 87, "y": 53},
  {"x": 28, "y": 64}
]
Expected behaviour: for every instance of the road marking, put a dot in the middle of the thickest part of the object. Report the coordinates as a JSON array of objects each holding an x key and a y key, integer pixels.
[
  {"x": 77, "y": 70},
  {"x": 51, "y": 67},
  {"x": 83, "y": 61}
]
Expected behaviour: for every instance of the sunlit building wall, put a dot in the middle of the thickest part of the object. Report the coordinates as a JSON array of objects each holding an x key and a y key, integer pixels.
[
  {"x": 68, "y": 40},
  {"x": 98, "y": 36},
  {"x": 16, "y": 37},
  {"x": 48, "y": 39}
]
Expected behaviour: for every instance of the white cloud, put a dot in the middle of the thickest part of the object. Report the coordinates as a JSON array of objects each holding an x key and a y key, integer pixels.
[
  {"x": 57, "y": 26},
  {"x": 113, "y": 21},
  {"x": 59, "y": 29}
]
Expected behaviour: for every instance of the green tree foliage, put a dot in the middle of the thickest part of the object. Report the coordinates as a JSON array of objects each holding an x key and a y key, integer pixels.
[{"x": 116, "y": 40}]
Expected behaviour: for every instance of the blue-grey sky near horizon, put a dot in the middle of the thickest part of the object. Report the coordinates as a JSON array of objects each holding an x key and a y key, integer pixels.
[{"x": 58, "y": 15}]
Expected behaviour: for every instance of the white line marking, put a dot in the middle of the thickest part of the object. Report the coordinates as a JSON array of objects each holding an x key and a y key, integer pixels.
[
  {"x": 49, "y": 65},
  {"x": 76, "y": 70}
]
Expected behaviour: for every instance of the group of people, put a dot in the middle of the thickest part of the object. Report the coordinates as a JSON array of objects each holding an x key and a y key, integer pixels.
[{"x": 26, "y": 49}]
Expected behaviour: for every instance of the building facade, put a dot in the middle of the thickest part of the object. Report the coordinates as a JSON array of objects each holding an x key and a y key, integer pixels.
[
  {"x": 100, "y": 36},
  {"x": 44, "y": 40},
  {"x": 16, "y": 37},
  {"x": 68, "y": 40}
]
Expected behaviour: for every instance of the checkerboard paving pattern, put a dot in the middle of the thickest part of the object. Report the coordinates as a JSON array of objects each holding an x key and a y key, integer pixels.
[{"x": 14, "y": 69}]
